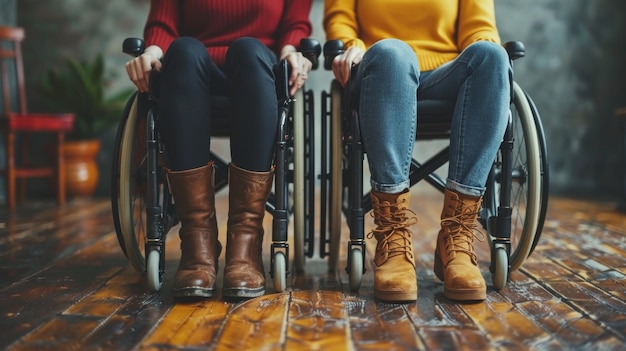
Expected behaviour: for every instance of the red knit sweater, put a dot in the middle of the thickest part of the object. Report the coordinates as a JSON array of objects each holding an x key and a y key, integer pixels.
[{"x": 216, "y": 23}]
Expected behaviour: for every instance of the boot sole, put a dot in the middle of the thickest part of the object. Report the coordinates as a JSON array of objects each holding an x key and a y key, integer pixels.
[
  {"x": 396, "y": 296},
  {"x": 193, "y": 292},
  {"x": 465, "y": 295},
  {"x": 243, "y": 292},
  {"x": 457, "y": 295}
]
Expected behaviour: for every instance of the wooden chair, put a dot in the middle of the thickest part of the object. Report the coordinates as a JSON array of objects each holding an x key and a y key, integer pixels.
[{"x": 15, "y": 119}]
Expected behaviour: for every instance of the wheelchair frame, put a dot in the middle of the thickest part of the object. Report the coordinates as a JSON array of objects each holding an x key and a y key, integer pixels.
[
  {"x": 526, "y": 180},
  {"x": 143, "y": 208}
]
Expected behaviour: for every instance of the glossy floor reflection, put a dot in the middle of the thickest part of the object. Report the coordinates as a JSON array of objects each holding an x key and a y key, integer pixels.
[{"x": 65, "y": 284}]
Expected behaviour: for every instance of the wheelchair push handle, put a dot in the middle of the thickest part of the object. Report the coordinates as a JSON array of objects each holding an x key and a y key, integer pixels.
[
  {"x": 332, "y": 48},
  {"x": 133, "y": 46},
  {"x": 515, "y": 49},
  {"x": 311, "y": 49}
]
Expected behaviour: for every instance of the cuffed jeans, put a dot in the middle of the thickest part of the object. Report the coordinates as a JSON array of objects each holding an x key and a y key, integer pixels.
[{"x": 388, "y": 85}]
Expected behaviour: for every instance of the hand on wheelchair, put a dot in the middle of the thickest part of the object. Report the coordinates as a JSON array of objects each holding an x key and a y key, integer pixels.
[
  {"x": 140, "y": 67},
  {"x": 146, "y": 62},
  {"x": 344, "y": 63},
  {"x": 300, "y": 66}
]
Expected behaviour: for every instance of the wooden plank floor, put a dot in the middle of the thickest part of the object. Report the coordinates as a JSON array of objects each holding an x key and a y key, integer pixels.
[{"x": 65, "y": 285}]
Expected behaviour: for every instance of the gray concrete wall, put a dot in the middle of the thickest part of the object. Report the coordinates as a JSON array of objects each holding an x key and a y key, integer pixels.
[{"x": 573, "y": 70}]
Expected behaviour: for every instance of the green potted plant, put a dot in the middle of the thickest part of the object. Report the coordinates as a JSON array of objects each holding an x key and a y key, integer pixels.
[{"x": 80, "y": 87}]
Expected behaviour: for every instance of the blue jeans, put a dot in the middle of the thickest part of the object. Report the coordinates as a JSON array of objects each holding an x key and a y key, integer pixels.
[{"x": 388, "y": 85}]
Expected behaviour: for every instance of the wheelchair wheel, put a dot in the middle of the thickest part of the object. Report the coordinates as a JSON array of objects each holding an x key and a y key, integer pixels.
[
  {"x": 115, "y": 180},
  {"x": 526, "y": 189},
  {"x": 299, "y": 184},
  {"x": 129, "y": 210},
  {"x": 545, "y": 172},
  {"x": 355, "y": 272},
  {"x": 501, "y": 267},
  {"x": 129, "y": 191},
  {"x": 336, "y": 174},
  {"x": 153, "y": 270},
  {"x": 280, "y": 271}
]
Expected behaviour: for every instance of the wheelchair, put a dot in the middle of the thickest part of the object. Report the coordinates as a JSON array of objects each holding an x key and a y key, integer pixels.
[
  {"x": 143, "y": 207},
  {"x": 514, "y": 204}
]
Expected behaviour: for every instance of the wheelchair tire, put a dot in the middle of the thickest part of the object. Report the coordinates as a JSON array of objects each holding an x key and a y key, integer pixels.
[
  {"x": 131, "y": 209},
  {"x": 129, "y": 186},
  {"x": 545, "y": 172},
  {"x": 500, "y": 268},
  {"x": 280, "y": 271},
  {"x": 154, "y": 271},
  {"x": 299, "y": 184},
  {"x": 336, "y": 174},
  {"x": 115, "y": 165},
  {"x": 355, "y": 274},
  {"x": 526, "y": 187}
]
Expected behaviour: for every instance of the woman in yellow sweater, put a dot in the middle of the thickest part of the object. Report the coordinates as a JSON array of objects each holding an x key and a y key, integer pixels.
[{"x": 406, "y": 51}]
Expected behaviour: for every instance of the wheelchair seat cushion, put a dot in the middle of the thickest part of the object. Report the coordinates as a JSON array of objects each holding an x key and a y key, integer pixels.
[{"x": 434, "y": 118}]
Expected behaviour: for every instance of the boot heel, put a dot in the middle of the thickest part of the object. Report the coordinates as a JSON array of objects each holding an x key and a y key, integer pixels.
[{"x": 438, "y": 266}]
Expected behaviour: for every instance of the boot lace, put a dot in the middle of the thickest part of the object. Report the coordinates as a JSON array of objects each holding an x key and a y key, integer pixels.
[
  {"x": 462, "y": 232},
  {"x": 391, "y": 231}
]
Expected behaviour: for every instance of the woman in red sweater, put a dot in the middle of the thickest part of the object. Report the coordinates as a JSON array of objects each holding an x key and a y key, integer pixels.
[{"x": 220, "y": 47}]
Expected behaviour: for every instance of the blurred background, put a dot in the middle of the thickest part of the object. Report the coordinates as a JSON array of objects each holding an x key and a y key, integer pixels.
[{"x": 575, "y": 70}]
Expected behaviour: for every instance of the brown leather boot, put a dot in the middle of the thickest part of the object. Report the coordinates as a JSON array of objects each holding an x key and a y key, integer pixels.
[
  {"x": 194, "y": 201},
  {"x": 455, "y": 261},
  {"x": 394, "y": 274},
  {"x": 244, "y": 275}
]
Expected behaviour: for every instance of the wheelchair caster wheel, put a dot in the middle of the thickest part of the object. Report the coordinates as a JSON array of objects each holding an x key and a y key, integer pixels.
[
  {"x": 153, "y": 271},
  {"x": 356, "y": 269},
  {"x": 501, "y": 268},
  {"x": 280, "y": 272}
]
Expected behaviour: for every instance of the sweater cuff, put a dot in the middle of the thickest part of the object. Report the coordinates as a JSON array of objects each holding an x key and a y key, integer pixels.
[{"x": 292, "y": 39}]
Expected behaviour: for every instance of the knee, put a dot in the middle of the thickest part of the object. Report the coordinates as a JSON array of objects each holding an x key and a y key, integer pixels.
[
  {"x": 489, "y": 54},
  {"x": 392, "y": 53},
  {"x": 245, "y": 49},
  {"x": 186, "y": 49}
]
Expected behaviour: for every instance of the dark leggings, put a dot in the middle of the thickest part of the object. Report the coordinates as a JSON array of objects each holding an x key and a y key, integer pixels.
[{"x": 189, "y": 77}]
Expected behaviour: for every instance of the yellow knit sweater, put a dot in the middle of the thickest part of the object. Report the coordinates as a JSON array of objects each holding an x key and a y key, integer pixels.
[{"x": 437, "y": 30}]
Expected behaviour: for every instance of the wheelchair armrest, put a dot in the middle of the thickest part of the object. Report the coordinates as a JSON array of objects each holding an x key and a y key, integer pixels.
[
  {"x": 515, "y": 49},
  {"x": 311, "y": 49},
  {"x": 133, "y": 46},
  {"x": 332, "y": 48}
]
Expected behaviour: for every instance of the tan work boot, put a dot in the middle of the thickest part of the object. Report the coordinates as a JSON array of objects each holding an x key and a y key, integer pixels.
[
  {"x": 244, "y": 275},
  {"x": 394, "y": 274},
  {"x": 194, "y": 201},
  {"x": 455, "y": 261}
]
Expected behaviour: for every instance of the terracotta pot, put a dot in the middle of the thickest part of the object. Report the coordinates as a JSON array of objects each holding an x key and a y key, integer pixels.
[{"x": 81, "y": 166}]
